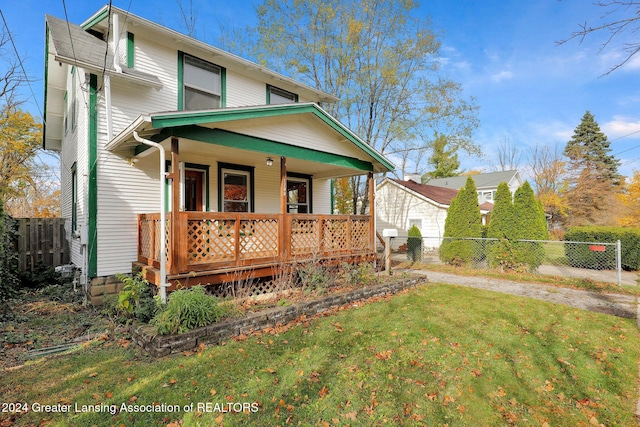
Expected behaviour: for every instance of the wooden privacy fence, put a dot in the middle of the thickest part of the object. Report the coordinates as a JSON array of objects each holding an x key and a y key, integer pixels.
[{"x": 41, "y": 239}]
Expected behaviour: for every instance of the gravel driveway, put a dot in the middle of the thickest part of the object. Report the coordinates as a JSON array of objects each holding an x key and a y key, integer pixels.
[{"x": 613, "y": 304}]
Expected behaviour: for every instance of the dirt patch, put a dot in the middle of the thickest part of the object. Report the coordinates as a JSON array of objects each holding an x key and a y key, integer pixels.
[{"x": 50, "y": 318}]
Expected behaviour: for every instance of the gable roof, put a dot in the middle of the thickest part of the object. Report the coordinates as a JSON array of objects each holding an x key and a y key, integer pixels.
[
  {"x": 201, "y": 124},
  {"x": 72, "y": 45},
  {"x": 483, "y": 180},
  {"x": 439, "y": 195}
]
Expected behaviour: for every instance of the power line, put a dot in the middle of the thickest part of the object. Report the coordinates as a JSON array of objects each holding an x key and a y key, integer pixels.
[{"x": 26, "y": 77}]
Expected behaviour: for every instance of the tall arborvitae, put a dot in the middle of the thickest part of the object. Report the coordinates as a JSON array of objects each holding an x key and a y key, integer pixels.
[
  {"x": 502, "y": 224},
  {"x": 463, "y": 221},
  {"x": 531, "y": 223}
]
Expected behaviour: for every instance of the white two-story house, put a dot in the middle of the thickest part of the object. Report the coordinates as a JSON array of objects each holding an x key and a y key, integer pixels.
[{"x": 237, "y": 159}]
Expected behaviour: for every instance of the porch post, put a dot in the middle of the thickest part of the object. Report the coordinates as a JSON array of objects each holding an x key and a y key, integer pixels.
[
  {"x": 176, "y": 233},
  {"x": 283, "y": 241},
  {"x": 372, "y": 212},
  {"x": 283, "y": 185}
]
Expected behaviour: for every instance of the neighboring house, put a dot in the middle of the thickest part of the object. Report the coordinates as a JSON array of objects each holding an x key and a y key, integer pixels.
[
  {"x": 402, "y": 204},
  {"x": 250, "y": 156},
  {"x": 486, "y": 183}
]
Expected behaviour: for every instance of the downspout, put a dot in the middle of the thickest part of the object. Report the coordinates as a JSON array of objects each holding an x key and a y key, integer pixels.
[{"x": 163, "y": 244}]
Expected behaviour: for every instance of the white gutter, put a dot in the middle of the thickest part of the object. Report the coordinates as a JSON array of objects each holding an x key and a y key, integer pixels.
[{"x": 163, "y": 245}]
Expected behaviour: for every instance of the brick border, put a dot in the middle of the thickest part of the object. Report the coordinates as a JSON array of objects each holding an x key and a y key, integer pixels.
[{"x": 163, "y": 345}]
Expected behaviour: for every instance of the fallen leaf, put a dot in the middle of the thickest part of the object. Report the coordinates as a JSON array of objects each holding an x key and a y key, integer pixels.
[
  {"x": 323, "y": 391},
  {"x": 93, "y": 374},
  {"x": 351, "y": 415}
]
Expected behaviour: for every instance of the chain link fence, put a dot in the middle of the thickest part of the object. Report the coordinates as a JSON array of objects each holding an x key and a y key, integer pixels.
[{"x": 560, "y": 258}]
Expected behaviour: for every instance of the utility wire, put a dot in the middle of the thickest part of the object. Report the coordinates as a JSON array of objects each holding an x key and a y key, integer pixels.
[{"x": 21, "y": 63}]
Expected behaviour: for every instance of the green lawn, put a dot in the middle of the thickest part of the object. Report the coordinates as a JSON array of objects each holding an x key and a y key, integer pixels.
[{"x": 436, "y": 355}]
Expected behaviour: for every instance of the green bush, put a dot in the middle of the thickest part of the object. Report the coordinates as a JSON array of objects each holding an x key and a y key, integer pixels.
[
  {"x": 42, "y": 275},
  {"x": 190, "y": 308},
  {"x": 361, "y": 274},
  {"x": 136, "y": 299},
  {"x": 9, "y": 280},
  {"x": 581, "y": 256},
  {"x": 414, "y": 244},
  {"x": 314, "y": 276}
]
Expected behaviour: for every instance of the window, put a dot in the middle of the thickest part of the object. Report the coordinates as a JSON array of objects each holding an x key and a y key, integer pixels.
[
  {"x": 236, "y": 188},
  {"x": 74, "y": 197},
  {"x": 297, "y": 196},
  {"x": 279, "y": 96},
  {"x": 202, "y": 84}
]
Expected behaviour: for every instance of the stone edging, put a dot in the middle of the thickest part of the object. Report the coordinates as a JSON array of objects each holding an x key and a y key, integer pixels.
[{"x": 163, "y": 345}]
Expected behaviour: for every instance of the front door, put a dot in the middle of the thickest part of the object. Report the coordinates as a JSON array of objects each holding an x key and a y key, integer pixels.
[{"x": 193, "y": 190}]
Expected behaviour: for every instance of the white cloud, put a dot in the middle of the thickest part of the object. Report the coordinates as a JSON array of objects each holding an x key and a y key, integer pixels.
[
  {"x": 501, "y": 76},
  {"x": 622, "y": 126}
]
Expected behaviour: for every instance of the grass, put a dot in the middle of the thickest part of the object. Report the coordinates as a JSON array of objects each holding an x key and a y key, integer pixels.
[
  {"x": 567, "y": 282},
  {"x": 437, "y": 355}
]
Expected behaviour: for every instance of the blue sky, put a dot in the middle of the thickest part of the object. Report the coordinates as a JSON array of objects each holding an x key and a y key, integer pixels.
[{"x": 504, "y": 53}]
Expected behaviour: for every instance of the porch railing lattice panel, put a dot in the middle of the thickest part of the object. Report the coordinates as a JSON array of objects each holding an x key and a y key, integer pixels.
[
  {"x": 259, "y": 238},
  {"x": 335, "y": 235},
  {"x": 304, "y": 236},
  {"x": 210, "y": 241}
]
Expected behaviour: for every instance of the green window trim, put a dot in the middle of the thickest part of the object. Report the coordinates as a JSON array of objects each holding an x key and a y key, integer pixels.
[
  {"x": 223, "y": 81},
  {"x": 271, "y": 88},
  {"x": 93, "y": 176},
  {"x": 74, "y": 197},
  {"x": 131, "y": 50}
]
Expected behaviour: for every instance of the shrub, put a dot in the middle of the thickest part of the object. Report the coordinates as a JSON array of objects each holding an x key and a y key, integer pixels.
[
  {"x": 42, "y": 275},
  {"x": 414, "y": 244},
  {"x": 135, "y": 300},
  {"x": 361, "y": 274},
  {"x": 9, "y": 280},
  {"x": 190, "y": 308},
  {"x": 314, "y": 277},
  {"x": 581, "y": 256}
]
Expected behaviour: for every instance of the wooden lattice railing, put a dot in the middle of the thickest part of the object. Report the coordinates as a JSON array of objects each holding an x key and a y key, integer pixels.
[{"x": 210, "y": 241}]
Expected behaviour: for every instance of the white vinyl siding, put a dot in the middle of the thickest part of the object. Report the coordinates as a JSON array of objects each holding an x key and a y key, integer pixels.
[{"x": 397, "y": 208}]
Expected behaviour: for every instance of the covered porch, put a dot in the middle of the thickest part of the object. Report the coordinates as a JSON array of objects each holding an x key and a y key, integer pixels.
[{"x": 268, "y": 216}]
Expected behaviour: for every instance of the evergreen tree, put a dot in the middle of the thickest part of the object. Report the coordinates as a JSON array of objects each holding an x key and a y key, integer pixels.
[
  {"x": 531, "y": 222},
  {"x": 593, "y": 175},
  {"x": 463, "y": 221},
  {"x": 589, "y": 148},
  {"x": 502, "y": 224}
]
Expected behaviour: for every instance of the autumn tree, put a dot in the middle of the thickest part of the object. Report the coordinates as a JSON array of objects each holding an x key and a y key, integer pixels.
[
  {"x": 630, "y": 200},
  {"x": 20, "y": 138},
  {"x": 343, "y": 196},
  {"x": 549, "y": 175},
  {"x": 381, "y": 62},
  {"x": 593, "y": 174}
]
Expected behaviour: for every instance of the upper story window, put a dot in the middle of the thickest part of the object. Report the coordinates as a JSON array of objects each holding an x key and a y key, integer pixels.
[
  {"x": 202, "y": 84},
  {"x": 280, "y": 96}
]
